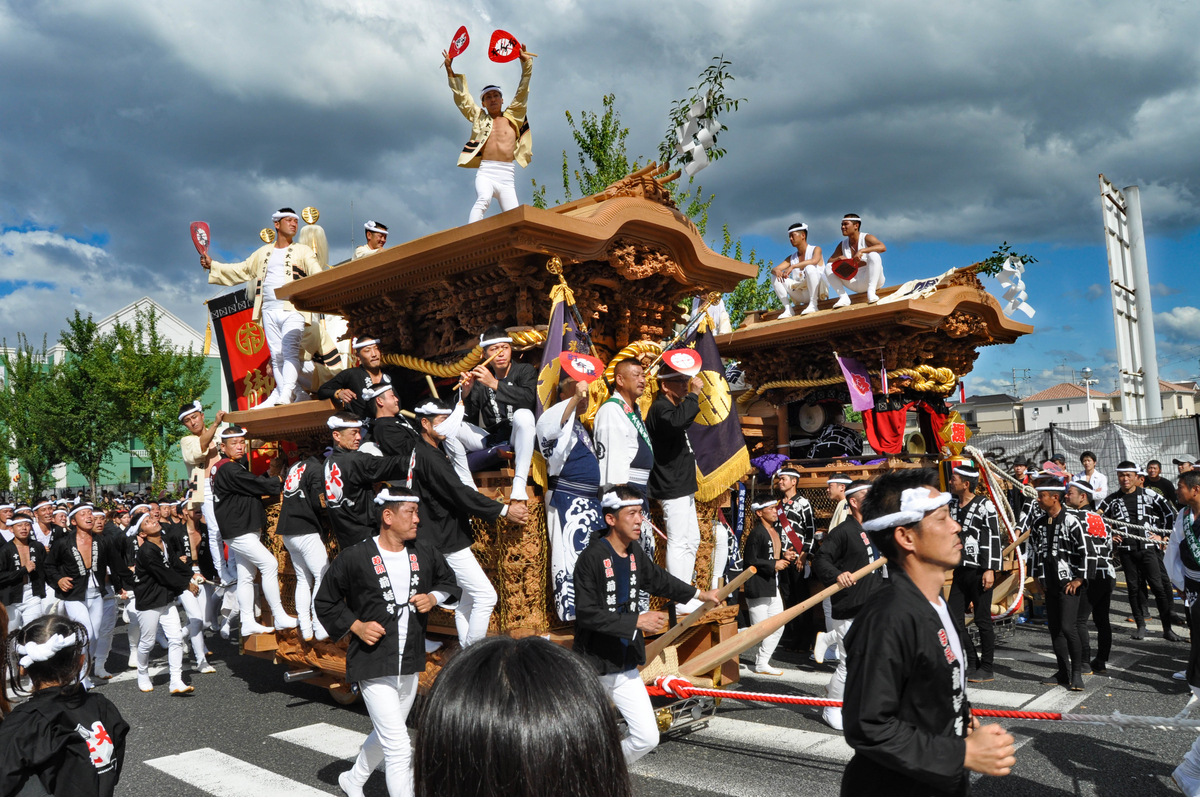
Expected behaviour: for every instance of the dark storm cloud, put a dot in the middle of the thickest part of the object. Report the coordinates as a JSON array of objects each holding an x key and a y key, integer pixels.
[{"x": 965, "y": 122}]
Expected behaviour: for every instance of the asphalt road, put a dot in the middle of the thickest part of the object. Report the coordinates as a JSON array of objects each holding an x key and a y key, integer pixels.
[{"x": 245, "y": 732}]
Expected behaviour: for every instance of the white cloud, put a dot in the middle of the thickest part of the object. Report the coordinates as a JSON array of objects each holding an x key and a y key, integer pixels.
[{"x": 1179, "y": 324}]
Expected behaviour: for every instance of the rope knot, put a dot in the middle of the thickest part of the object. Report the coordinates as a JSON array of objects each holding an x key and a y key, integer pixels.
[{"x": 674, "y": 685}]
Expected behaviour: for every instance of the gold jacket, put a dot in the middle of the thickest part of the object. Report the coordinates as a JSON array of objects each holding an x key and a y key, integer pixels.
[
  {"x": 300, "y": 261},
  {"x": 481, "y": 120}
]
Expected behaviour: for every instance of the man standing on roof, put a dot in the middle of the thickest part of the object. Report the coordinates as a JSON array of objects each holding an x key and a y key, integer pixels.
[
  {"x": 493, "y": 147},
  {"x": 376, "y": 237}
]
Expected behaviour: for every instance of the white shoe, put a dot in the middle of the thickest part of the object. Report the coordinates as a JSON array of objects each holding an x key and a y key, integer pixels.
[
  {"x": 145, "y": 684},
  {"x": 767, "y": 669},
  {"x": 832, "y": 717},
  {"x": 284, "y": 621},
  {"x": 812, "y": 308},
  {"x": 269, "y": 401},
  {"x": 206, "y": 669},
  {"x": 788, "y": 312},
  {"x": 1180, "y": 676},
  {"x": 87, "y": 684},
  {"x": 872, "y": 298},
  {"x": 224, "y": 632},
  {"x": 132, "y": 663},
  {"x": 842, "y": 302},
  {"x": 250, "y": 627},
  {"x": 319, "y": 631},
  {"x": 348, "y": 786},
  {"x": 820, "y": 646},
  {"x": 431, "y": 645},
  {"x": 300, "y": 395},
  {"x": 182, "y": 689},
  {"x": 102, "y": 674}
]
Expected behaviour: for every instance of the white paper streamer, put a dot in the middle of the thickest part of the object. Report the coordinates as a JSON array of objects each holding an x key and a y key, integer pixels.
[
  {"x": 696, "y": 136},
  {"x": 1015, "y": 295}
]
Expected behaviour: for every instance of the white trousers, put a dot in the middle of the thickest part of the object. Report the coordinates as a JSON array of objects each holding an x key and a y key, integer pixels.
[
  {"x": 253, "y": 557},
  {"x": 284, "y": 330},
  {"x": 470, "y": 437},
  {"x": 761, "y": 609},
  {"x": 193, "y": 605},
  {"x": 28, "y": 610},
  {"x": 720, "y": 554},
  {"x": 388, "y": 701},
  {"x": 837, "y": 684},
  {"x": 310, "y": 561},
  {"x": 474, "y": 610},
  {"x": 226, "y": 571},
  {"x": 683, "y": 541},
  {"x": 806, "y": 290},
  {"x": 150, "y": 620},
  {"x": 629, "y": 695},
  {"x": 493, "y": 179},
  {"x": 869, "y": 278},
  {"x": 104, "y": 632}
]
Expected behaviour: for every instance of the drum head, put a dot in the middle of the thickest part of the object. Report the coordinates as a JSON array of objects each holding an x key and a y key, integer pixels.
[{"x": 812, "y": 418}]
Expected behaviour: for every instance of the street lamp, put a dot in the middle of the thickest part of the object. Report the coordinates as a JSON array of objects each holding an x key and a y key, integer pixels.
[{"x": 1087, "y": 380}]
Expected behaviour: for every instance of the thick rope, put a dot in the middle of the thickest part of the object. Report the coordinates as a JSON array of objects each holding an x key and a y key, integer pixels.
[
  {"x": 522, "y": 339},
  {"x": 674, "y": 686},
  {"x": 926, "y": 379}
]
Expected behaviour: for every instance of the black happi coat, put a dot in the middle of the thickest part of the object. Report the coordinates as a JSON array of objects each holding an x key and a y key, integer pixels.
[
  {"x": 494, "y": 408},
  {"x": 356, "y": 380},
  {"x": 395, "y": 436},
  {"x": 905, "y": 711},
  {"x": 760, "y": 551},
  {"x": 302, "y": 489},
  {"x": 848, "y": 547},
  {"x": 674, "y": 471},
  {"x": 159, "y": 577},
  {"x": 349, "y": 497},
  {"x": 12, "y": 572},
  {"x": 600, "y": 626},
  {"x": 65, "y": 560},
  {"x": 237, "y": 498},
  {"x": 74, "y": 744},
  {"x": 447, "y": 505},
  {"x": 356, "y": 587},
  {"x": 1099, "y": 541},
  {"x": 1059, "y": 547},
  {"x": 179, "y": 545},
  {"x": 983, "y": 548},
  {"x": 796, "y": 514},
  {"x": 120, "y": 566},
  {"x": 1150, "y": 509}
]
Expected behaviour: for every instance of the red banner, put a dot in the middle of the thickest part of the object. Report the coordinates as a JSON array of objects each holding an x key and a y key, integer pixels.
[{"x": 242, "y": 342}]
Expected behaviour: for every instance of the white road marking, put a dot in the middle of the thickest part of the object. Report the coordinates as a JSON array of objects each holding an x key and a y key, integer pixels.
[
  {"x": 996, "y": 697},
  {"x": 332, "y": 740},
  {"x": 220, "y": 775},
  {"x": 131, "y": 675},
  {"x": 829, "y": 746}
]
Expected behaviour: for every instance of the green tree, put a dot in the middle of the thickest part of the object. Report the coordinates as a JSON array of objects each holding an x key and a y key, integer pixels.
[
  {"x": 153, "y": 380},
  {"x": 750, "y": 294},
  {"x": 602, "y": 153},
  {"x": 27, "y": 400},
  {"x": 88, "y": 422}
]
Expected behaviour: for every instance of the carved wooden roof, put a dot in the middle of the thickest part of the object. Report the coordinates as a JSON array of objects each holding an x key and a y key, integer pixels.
[{"x": 287, "y": 421}]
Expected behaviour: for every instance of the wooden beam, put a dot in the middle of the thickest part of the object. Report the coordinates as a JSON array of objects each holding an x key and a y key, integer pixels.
[{"x": 673, "y": 633}]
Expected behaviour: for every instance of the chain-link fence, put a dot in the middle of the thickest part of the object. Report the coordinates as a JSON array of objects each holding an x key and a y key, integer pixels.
[{"x": 1167, "y": 440}]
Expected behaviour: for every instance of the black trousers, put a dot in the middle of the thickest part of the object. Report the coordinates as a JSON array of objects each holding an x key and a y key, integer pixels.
[
  {"x": 967, "y": 587},
  {"x": 1096, "y": 601},
  {"x": 1142, "y": 568},
  {"x": 1062, "y": 614},
  {"x": 1191, "y": 592}
]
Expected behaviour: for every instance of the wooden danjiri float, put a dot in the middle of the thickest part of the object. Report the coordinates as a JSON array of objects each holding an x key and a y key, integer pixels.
[{"x": 633, "y": 262}]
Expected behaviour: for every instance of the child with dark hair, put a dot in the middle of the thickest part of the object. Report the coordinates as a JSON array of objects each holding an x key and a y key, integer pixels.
[{"x": 72, "y": 741}]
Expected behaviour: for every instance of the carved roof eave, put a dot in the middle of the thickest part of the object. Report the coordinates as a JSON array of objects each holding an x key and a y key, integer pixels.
[
  {"x": 286, "y": 422},
  {"x": 920, "y": 315},
  {"x": 522, "y": 231}
]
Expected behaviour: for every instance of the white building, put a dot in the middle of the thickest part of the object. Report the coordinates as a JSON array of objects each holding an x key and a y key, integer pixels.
[
  {"x": 993, "y": 413},
  {"x": 1065, "y": 403}
]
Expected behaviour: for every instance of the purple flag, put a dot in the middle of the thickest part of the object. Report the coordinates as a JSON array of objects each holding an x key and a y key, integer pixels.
[
  {"x": 561, "y": 335},
  {"x": 859, "y": 383}
]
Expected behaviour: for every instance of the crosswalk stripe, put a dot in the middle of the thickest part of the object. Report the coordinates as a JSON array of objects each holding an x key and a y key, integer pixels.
[
  {"x": 996, "y": 697},
  {"x": 773, "y": 737},
  {"x": 321, "y": 737},
  {"x": 222, "y": 775},
  {"x": 131, "y": 675}
]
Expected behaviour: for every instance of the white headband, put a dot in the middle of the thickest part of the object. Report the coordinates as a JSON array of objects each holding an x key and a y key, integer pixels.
[
  {"x": 378, "y": 390},
  {"x": 8, "y": 506},
  {"x": 22, "y": 509},
  {"x": 279, "y": 214},
  {"x": 196, "y": 407},
  {"x": 140, "y": 506},
  {"x": 1134, "y": 469},
  {"x": 1083, "y": 487},
  {"x": 230, "y": 432},
  {"x": 801, "y": 227},
  {"x": 429, "y": 408},
  {"x": 852, "y": 218},
  {"x": 915, "y": 503},
  {"x": 970, "y": 474},
  {"x": 362, "y": 343},
  {"x": 32, "y": 652},
  {"x": 60, "y": 511},
  {"x": 611, "y": 501},
  {"x": 839, "y": 480},
  {"x": 858, "y": 489},
  {"x": 19, "y": 519},
  {"x": 79, "y": 508},
  {"x": 483, "y": 344},
  {"x": 137, "y": 525},
  {"x": 42, "y": 504},
  {"x": 789, "y": 472},
  {"x": 371, "y": 226},
  {"x": 335, "y": 422},
  {"x": 764, "y": 504},
  {"x": 1050, "y": 488},
  {"x": 385, "y": 497},
  {"x": 486, "y": 89}
]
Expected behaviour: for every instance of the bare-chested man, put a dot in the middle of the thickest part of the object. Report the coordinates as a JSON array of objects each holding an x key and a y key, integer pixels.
[
  {"x": 797, "y": 280},
  {"x": 200, "y": 453},
  {"x": 493, "y": 147},
  {"x": 865, "y": 251}
]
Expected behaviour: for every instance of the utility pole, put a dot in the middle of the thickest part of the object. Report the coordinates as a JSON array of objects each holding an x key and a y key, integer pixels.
[{"x": 1024, "y": 378}]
